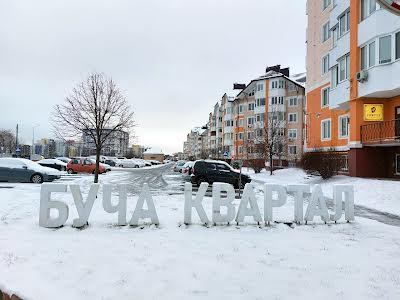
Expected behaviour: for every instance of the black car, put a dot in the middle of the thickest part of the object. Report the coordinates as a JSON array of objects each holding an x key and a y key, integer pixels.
[
  {"x": 110, "y": 162},
  {"x": 216, "y": 171}
]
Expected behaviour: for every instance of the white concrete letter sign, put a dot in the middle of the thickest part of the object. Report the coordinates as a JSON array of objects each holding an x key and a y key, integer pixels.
[
  {"x": 196, "y": 203},
  {"x": 119, "y": 207},
  {"x": 141, "y": 213},
  {"x": 300, "y": 193},
  {"x": 338, "y": 191},
  {"x": 248, "y": 198},
  {"x": 218, "y": 201},
  {"x": 84, "y": 209},
  {"x": 269, "y": 202},
  {"x": 317, "y": 205},
  {"x": 46, "y": 205}
]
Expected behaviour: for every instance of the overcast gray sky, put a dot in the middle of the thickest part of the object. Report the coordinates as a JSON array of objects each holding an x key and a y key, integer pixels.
[{"x": 174, "y": 59}]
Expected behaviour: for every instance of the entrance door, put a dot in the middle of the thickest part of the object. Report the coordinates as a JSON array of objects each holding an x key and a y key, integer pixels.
[{"x": 397, "y": 121}]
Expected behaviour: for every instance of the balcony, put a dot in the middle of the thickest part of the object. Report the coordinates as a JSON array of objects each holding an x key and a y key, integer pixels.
[{"x": 385, "y": 133}]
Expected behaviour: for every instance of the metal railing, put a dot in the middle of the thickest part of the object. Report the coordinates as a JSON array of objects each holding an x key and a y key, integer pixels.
[{"x": 385, "y": 132}]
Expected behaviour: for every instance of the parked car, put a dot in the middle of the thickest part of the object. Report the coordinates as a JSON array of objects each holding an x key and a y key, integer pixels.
[
  {"x": 83, "y": 165},
  {"x": 126, "y": 163},
  {"x": 217, "y": 171},
  {"x": 63, "y": 159},
  {"x": 102, "y": 158},
  {"x": 179, "y": 165},
  {"x": 105, "y": 166},
  {"x": 154, "y": 162},
  {"x": 187, "y": 170},
  {"x": 36, "y": 157},
  {"x": 147, "y": 163},
  {"x": 110, "y": 162},
  {"x": 140, "y": 162},
  {"x": 53, "y": 163},
  {"x": 24, "y": 170}
]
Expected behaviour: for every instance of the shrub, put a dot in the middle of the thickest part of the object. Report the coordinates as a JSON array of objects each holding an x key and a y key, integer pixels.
[
  {"x": 257, "y": 165},
  {"x": 324, "y": 163}
]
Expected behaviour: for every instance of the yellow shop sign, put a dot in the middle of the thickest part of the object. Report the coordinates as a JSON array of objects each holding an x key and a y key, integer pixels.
[{"x": 373, "y": 112}]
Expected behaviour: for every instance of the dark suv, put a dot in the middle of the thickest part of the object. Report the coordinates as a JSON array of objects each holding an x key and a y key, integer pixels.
[{"x": 216, "y": 171}]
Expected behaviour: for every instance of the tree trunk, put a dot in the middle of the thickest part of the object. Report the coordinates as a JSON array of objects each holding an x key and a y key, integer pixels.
[
  {"x": 271, "y": 162},
  {"x": 96, "y": 172}
]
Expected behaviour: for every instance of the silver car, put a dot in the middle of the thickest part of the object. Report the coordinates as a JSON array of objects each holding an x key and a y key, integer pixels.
[{"x": 24, "y": 170}]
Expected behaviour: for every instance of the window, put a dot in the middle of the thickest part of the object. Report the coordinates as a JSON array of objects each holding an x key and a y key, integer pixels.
[
  {"x": 397, "y": 43},
  {"x": 223, "y": 167},
  {"x": 343, "y": 126},
  {"x": 326, "y": 129},
  {"x": 260, "y": 102},
  {"x": 260, "y": 87},
  {"x": 364, "y": 58},
  {"x": 325, "y": 64},
  {"x": 293, "y": 118},
  {"x": 292, "y": 134},
  {"x": 326, "y": 34},
  {"x": 239, "y": 136},
  {"x": 211, "y": 166},
  {"x": 277, "y": 115},
  {"x": 250, "y": 136},
  {"x": 281, "y": 84},
  {"x": 344, "y": 68},
  {"x": 326, "y": 3},
  {"x": 367, "y": 8},
  {"x": 334, "y": 79},
  {"x": 251, "y": 106},
  {"x": 274, "y": 84},
  {"x": 397, "y": 164},
  {"x": 241, "y": 122},
  {"x": 385, "y": 51},
  {"x": 229, "y": 123},
  {"x": 371, "y": 54},
  {"x": 325, "y": 97},
  {"x": 250, "y": 121},
  {"x": 344, "y": 23},
  {"x": 292, "y": 101},
  {"x": 335, "y": 35},
  {"x": 260, "y": 117},
  {"x": 292, "y": 150}
]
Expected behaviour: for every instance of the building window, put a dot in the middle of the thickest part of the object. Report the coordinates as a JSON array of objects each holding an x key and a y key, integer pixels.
[
  {"x": 385, "y": 51},
  {"x": 326, "y": 3},
  {"x": 364, "y": 58},
  {"x": 334, "y": 79},
  {"x": 292, "y": 150},
  {"x": 335, "y": 35},
  {"x": 325, "y": 64},
  {"x": 260, "y": 102},
  {"x": 251, "y": 106},
  {"x": 250, "y": 136},
  {"x": 343, "y": 127},
  {"x": 326, "y": 34},
  {"x": 260, "y": 87},
  {"x": 344, "y": 68},
  {"x": 260, "y": 117},
  {"x": 250, "y": 121},
  {"x": 371, "y": 54},
  {"x": 325, "y": 97},
  {"x": 367, "y": 8},
  {"x": 292, "y": 134},
  {"x": 292, "y": 101},
  {"x": 326, "y": 129},
  {"x": 397, "y": 43},
  {"x": 293, "y": 118},
  {"x": 398, "y": 164},
  {"x": 368, "y": 56},
  {"x": 281, "y": 84},
  {"x": 274, "y": 84},
  {"x": 344, "y": 23}
]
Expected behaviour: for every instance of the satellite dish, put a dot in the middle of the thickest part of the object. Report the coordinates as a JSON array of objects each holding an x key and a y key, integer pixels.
[{"x": 391, "y": 5}]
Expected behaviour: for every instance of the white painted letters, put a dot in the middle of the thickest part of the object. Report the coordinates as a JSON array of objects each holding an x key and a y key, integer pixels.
[{"x": 46, "y": 204}]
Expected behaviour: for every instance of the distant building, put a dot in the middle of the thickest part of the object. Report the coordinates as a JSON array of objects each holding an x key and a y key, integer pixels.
[
  {"x": 137, "y": 151},
  {"x": 153, "y": 154},
  {"x": 116, "y": 144}
]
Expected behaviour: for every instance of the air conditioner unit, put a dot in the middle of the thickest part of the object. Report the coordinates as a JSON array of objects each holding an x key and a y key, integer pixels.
[{"x": 362, "y": 76}]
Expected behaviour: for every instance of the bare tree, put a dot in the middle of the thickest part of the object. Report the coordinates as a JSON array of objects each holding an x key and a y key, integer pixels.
[
  {"x": 271, "y": 141},
  {"x": 96, "y": 107},
  {"x": 7, "y": 142}
]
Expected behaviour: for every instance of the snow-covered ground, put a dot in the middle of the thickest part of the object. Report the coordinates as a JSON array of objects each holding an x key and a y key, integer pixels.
[
  {"x": 359, "y": 260},
  {"x": 383, "y": 195}
]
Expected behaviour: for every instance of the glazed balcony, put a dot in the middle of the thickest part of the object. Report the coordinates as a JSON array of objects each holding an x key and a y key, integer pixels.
[{"x": 386, "y": 133}]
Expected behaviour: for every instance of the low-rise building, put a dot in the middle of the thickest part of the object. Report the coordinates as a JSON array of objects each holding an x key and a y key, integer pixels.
[{"x": 153, "y": 154}]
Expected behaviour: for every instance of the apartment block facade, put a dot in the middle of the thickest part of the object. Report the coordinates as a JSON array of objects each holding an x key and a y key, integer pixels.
[
  {"x": 353, "y": 84},
  {"x": 239, "y": 121}
]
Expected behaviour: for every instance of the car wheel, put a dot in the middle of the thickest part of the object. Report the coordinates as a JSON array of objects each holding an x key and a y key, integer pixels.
[
  {"x": 70, "y": 171},
  {"x": 136, "y": 166},
  {"x": 37, "y": 178},
  {"x": 200, "y": 181}
]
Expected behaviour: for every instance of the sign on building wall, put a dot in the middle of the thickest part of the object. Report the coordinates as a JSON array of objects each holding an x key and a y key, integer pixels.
[
  {"x": 373, "y": 112},
  {"x": 391, "y": 5}
]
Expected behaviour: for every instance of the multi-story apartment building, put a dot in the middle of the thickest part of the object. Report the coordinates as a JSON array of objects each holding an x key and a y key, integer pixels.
[
  {"x": 116, "y": 144},
  {"x": 228, "y": 127},
  {"x": 196, "y": 145},
  {"x": 353, "y": 84},
  {"x": 273, "y": 95}
]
